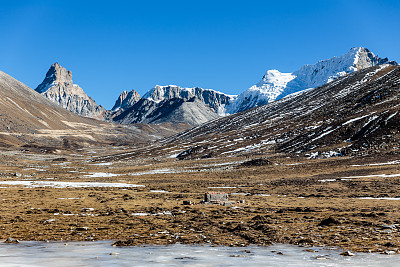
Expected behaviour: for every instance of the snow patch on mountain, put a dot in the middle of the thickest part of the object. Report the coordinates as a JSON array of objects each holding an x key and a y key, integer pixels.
[{"x": 271, "y": 86}]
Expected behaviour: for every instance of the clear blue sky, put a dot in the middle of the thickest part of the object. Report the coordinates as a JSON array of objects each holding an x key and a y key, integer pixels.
[{"x": 111, "y": 46}]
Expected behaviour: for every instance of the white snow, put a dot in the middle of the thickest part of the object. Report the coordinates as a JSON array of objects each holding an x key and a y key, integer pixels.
[
  {"x": 356, "y": 119},
  {"x": 103, "y": 164},
  {"x": 380, "y": 198},
  {"x": 34, "y": 184},
  {"x": 374, "y": 175},
  {"x": 379, "y": 164},
  {"x": 101, "y": 174},
  {"x": 327, "y": 180},
  {"x": 158, "y": 191},
  {"x": 221, "y": 187}
]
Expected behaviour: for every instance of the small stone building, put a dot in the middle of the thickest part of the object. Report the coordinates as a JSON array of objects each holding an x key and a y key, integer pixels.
[{"x": 215, "y": 197}]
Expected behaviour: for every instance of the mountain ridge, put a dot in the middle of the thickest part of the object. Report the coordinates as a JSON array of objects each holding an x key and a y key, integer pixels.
[{"x": 275, "y": 85}]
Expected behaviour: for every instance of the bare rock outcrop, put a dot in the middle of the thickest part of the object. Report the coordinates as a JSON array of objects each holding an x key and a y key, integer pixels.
[
  {"x": 215, "y": 100},
  {"x": 126, "y": 99},
  {"x": 58, "y": 87}
]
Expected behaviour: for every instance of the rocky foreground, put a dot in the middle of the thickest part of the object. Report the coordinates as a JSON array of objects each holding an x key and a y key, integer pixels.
[{"x": 65, "y": 196}]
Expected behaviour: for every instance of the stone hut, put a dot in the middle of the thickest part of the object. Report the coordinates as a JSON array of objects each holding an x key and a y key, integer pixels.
[{"x": 215, "y": 197}]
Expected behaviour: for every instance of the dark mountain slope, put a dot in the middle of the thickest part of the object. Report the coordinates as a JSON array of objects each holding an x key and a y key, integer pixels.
[
  {"x": 355, "y": 114},
  {"x": 175, "y": 110}
]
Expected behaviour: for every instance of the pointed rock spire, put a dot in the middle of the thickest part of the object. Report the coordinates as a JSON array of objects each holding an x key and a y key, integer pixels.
[{"x": 58, "y": 87}]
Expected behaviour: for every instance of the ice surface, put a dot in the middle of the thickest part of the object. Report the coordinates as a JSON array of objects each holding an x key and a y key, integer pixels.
[{"x": 101, "y": 253}]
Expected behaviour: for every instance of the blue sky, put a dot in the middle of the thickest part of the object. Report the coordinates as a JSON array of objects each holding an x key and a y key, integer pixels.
[{"x": 111, "y": 46}]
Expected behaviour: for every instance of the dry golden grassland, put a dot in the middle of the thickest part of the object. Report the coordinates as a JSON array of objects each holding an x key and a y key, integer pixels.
[{"x": 296, "y": 201}]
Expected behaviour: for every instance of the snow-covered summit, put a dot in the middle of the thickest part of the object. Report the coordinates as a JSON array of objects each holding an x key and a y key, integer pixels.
[{"x": 276, "y": 85}]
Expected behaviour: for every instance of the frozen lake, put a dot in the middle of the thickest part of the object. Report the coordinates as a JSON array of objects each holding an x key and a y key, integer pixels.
[{"x": 101, "y": 253}]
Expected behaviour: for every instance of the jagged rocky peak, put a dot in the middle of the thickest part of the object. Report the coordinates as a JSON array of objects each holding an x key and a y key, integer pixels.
[
  {"x": 56, "y": 73},
  {"x": 275, "y": 85},
  {"x": 126, "y": 99},
  {"x": 365, "y": 58},
  {"x": 58, "y": 87},
  {"x": 214, "y": 99}
]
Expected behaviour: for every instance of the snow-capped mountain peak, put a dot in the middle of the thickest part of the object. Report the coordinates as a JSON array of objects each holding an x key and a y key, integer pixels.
[{"x": 276, "y": 85}]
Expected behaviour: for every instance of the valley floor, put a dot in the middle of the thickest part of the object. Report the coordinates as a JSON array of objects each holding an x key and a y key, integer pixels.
[{"x": 67, "y": 195}]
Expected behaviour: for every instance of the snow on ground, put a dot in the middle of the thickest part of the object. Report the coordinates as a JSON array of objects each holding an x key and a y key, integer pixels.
[
  {"x": 356, "y": 119},
  {"x": 34, "y": 184},
  {"x": 101, "y": 174},
  {"x": 373, "y": 176},
  {"x": 103, "y": 164},
  {"x": 380, "y": 198},
  {"x": 379, "y": 164},
  {"x": 221, "y": 187}
]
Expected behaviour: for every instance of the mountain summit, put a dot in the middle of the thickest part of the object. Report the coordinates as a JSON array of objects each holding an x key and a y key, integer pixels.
[
  {"x": 126, "y": 99},
  {"x": 58, "y": 87},
  {"x": 275, "y": 85}
]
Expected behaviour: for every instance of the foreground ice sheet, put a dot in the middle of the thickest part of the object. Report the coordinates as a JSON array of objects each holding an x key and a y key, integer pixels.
[
  {"x": 66, "y": 184},
  {"x": 103, "y": 254}
]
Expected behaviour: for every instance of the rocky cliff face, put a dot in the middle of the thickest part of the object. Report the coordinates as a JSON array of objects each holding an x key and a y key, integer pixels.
[
  {"x": 175, "y": 110},
  {"x": 215, "y": 100},
  {"x": 126, "y": 99},
  {"x": 58, "y": 87},
  {"x": 276, "y": 85}
]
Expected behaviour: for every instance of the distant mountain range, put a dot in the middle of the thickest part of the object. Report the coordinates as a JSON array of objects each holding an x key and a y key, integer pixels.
[
  {"x": 194, "y": 106},
  {"x": 354, "y": 115},
  {"x": 30, "y": 121}
]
